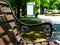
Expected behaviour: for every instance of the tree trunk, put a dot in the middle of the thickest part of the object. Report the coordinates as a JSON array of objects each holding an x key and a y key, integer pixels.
[
  {"x": 24, "y": 10},
  {"x": 18, "y": 13},
  {"x": 18, "y": 10},
  {"x": 41, "y": 10}
]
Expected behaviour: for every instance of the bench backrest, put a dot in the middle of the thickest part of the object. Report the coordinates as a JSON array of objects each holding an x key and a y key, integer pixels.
[{"x": 8, "y": 32}]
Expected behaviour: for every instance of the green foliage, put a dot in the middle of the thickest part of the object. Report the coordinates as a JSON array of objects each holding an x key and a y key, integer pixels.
[
  {"x": 37, "y": 5},
  {"x": 52, "y": 14},
  {"x": 45, "y": 3},
  {"x": 57, "y": 4},
  {"x": 42, "y": 4},
  {"x": 14, "y": 3},
  {"x": 54, "y": 4},
  {"x": 49, "y": 4}
]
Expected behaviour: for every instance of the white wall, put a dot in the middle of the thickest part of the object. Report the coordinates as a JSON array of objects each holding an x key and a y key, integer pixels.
[{"x": 30, "y": 9}]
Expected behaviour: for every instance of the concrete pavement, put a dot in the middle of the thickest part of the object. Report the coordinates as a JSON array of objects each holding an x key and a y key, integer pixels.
[{"x": 52, "y": 19}]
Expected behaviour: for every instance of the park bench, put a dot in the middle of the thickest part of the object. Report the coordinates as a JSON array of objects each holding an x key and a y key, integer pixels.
[{"x": 9, "y": 35}]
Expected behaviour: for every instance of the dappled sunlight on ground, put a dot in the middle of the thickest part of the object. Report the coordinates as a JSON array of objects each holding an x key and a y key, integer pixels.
[{"x": 33, "y": 36}]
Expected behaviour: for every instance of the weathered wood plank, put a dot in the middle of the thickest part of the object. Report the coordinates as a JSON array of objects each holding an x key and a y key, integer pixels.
[
  {"x": 3, "y": 3},
  {"x": 2, "y": 42},
  {"x": 37, "y": 44},
  {"x": 12, "y": 25},
  {"x": 10, "y": 44},
  {"x": 1, "y": 30},
  {"x": 6, "y": 37},
  {"x": 5, "y": 10},
  {"x": 6, "y": 18}
]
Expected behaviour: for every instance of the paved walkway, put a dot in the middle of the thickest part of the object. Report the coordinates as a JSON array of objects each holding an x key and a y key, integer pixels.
[{"x": 53, "y": 19}]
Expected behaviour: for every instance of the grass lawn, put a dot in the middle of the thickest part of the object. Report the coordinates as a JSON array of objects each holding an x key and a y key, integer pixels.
[
  {"x": 34, "y": 34},
  {"x": 52, "y": 14}
]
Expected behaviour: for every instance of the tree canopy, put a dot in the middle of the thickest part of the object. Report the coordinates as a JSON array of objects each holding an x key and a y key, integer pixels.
[{"x": 49, "y": 4}]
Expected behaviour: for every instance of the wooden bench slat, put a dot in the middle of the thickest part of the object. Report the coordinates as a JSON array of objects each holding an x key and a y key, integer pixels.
[
  {"x": 10, "y": 44},
  {"x": 12, "y": 24},
  {"x": 9, "y": 17},
  {"x": 6, "y": 37},
  {"x": 5, "y": 13},
  {"x": 2, "y": 42},
  {"x": 2, "y": 19},
  {"x": 5, "y": 27},
  {"x": 29, "y": 44},
  {"x": 17, "y": 38},
  {"x": 15, "y": 32},
  {"x": 3, "y": 3},
  {"x": 37, "y": 44},
  {"x": 51, "y": 43},
  {"x": 5, "y": 10},
  {"x": 1, "y": 30},
  {"x": 6, "y": 18},
  {"x": 44, "y": 43}
]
